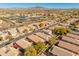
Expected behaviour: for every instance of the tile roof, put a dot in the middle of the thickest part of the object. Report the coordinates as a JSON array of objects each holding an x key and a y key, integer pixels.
[
  {"x": 61, "y": 52},
  {"x": 45, "y": 36},
  {"x": 72, "y": 40},
  {"x": 69, "y": 46},
  {"x": 73, "y": 35},
  {"x": 35, "y": 38},
  {"x": 23, "y": 43}
]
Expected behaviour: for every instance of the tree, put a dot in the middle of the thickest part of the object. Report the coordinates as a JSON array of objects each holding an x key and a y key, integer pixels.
[
  {"x": 25, "y": 30},
  {"x": 9, "y": 33},
  {"x": 53, "y": 40},
  {"x": 65, "y": 19},
  {"x": 39, "y": 46},
  {"x": 9, "y": 37},
  {"x": 60, "y": 31},
  {"x": 1, "y": 38},
  {"x": 30, "y": 51},
  {"x": 41, "y": 24},
  {"x": 72, "y": 26}
]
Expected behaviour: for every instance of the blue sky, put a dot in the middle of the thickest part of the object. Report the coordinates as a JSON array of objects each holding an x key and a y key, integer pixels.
[{"x": 47, "y": 5}]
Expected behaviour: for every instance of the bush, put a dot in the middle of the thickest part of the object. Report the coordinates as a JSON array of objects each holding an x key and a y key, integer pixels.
[
  {"x": 72, "y": 26},
  {"x": 1, "y": 38},
  {"x": 53, "y": 40},
  {"x": 39, "y": 46},
  {"x": 30, "y": 51},
  {"x": 41, "y": 24},
  {"x": 60, "y": 31}
]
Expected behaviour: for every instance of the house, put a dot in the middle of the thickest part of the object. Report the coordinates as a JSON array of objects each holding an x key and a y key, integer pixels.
[
  {"x": 52, "y": 27},
  {"x": 32, "y": 27},
  {"x": 22, "y": 28},
  {"x": 35, "y": 38},
  {"x": 61, "y": 52},
  {"x": 43, "y": 35},
  {"x": 73, "y": 36},
  {"x": 12, "y": 52},
  {"x": 50, "y": 22},
  {"x": 13, "y": 32},
  {"x": 36, "y": 25},
  {"x": 9, "y": 50},
  {"x": 23, "y": 43},
  {"x": 43, "y": 23},
  {"x": 4, "y": 34},
  {"x": 69, "y": 46},
  {"x": 1, "y": 21},
  {"x": 70, "y": 39}
]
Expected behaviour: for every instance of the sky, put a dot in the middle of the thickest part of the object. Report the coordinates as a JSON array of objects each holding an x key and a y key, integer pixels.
[{"x": 46, "y": 5}]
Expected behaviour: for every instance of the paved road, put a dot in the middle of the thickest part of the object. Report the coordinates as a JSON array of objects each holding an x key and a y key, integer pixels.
[{"x": 23, "y": 35}]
